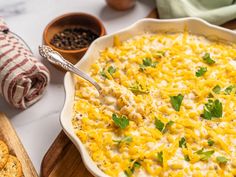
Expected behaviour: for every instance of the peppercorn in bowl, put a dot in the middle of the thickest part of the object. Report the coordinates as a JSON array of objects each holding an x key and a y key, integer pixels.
[
  {"x": 71, "y": 34},
  {"x": 168, "y": 101}
]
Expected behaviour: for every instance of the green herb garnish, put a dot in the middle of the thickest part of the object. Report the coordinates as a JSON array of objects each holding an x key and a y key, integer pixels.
[
  {"x": 163, "y": 127},
  {"x": 216, "y": 89},
  {"x": 210, "y": 142},
  {"x": 167, "y": 126},
  {"x": 103, "y": 74},
  {"x": 201, "y": 71},
  {"x": 221, "y": 159},
  {"x": 159, "y": 125},
  {"x": 229, "y": 89},
  {"x": 160, "y": 157},
  {"x": 120, "y": 121},
  {"x": 207, "y": 58},
  {"x": 126, "y": 139},
  {"x": 212, "y": 109},
  {"x": 131, "y": 170},
  {"x": 205, "y": 155},
  {"x": 186, "y": 158},
  {"x": 111, "y": 70},
  {"x": 182, "y": 142},
  {"x": 137, "y": 88},
  {"x": 147, "y": 62},
  {"x": 176, "y": 101}
]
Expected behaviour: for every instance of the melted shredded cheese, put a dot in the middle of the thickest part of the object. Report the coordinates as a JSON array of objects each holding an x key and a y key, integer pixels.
[{"x": 177, "y": 56}]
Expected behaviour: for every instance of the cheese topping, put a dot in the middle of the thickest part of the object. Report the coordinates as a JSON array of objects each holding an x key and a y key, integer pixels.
[{"x": 167, "y": 108}]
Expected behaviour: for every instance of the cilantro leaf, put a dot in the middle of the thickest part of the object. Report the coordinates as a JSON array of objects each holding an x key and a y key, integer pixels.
[
  {"x": 126, "y": 139},
  {"x": 137, "y": 88},
  {"x": 207, "y": 58},
  {"x": 159, "y": 124},
  {"x": 182, "y": 142},
  {"x": 111, "y": 70},
  {"x": 212, "y": 109},
  {"x": 216, "y": 89},
  {"x": 168, "y": 124},
  {"x": 210, "y": 95},
  {"x": 205, "y": 155},
  {"x": 121, "y": 121},
  {"x": 186, "y": 158},
  {"x": 136, "y": 165},
  {"x": 160, "y": 157},
  {"x": 146, "y": 63},
  {"x": 210, "y": 142},
  {"x": 229, "y": 89},
  {"x": 103, "y": 74},
  {"x": 131, "y": 170},
  {"x": 201, "y": 71},
  {"x": 221, "y": 159},
  {"x": 176, "y": 101}
]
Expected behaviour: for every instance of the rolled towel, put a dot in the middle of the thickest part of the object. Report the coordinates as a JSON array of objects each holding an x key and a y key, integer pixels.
[{"x": 23, "y": 78}]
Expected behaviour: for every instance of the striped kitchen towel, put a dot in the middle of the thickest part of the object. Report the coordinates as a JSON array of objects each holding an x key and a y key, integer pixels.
[{"x": 22, "y": 78}]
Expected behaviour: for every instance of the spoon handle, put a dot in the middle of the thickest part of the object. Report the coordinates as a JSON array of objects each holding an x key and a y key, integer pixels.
[{"x": 55, "y": 58}]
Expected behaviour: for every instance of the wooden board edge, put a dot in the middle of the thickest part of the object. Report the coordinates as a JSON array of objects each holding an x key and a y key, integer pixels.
[
  {"x": 12, "y": 140},
  {"x": 57, "y": 149}
]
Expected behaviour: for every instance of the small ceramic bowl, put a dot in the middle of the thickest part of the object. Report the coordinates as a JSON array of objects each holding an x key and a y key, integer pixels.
[{"x": 60, "y": 23}]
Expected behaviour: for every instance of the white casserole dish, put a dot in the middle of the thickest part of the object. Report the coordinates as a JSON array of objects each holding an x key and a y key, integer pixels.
[{"x": 193, "y": 25}]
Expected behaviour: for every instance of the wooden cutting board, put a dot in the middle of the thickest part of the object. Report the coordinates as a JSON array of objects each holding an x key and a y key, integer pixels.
[
  {"x": 63, "y": 159},
  {"x": 9, "y": 136}
]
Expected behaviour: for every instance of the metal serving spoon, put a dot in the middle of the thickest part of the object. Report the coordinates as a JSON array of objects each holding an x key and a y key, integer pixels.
[{"x": 55, "y": 58}]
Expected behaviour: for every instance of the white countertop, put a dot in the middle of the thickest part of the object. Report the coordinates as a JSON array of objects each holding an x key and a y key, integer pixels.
[{"x": 39, "y": 125}]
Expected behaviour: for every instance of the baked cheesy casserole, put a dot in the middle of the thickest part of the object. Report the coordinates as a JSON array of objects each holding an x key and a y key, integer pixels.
[{"x": 168, "y": 107}]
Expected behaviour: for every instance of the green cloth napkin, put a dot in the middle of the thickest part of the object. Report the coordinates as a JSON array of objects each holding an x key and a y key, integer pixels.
[{"x": 213, "y": 11}]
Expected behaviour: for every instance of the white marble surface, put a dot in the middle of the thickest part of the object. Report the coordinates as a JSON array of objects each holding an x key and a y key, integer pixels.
[{"x": 39, "y": 125}]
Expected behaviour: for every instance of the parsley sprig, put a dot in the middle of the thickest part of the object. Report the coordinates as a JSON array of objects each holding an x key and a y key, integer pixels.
[
  {"x": 147, "y": 62},
  {"x": 160, "y": 157},
  {"x": 229, "y": 89},
  {"x": 176, "y": 101},
  {"x": 111, "y": 70},
  {"x": 138, "y": 88},
  {"x": 182, "y": 143},
  {"x": 163, "y": 127},
  {"x": 205, "y": 155},
  {"x": 216, "y": 89},
  {"x": 186, "y": 158},
  {"x": 207, "y": 58},
  {"x": 201, "y": 71},
  {"x": 212, "y": 109},
  {"x": 120, "y": 121},
  {"x": 129, "y": 172},
  {"x": 210, "y": 142},
  {"x": 221, "y": 159}
]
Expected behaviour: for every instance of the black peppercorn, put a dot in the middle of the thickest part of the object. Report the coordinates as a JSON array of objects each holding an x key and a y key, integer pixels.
[{"x": 73, "y": 38}]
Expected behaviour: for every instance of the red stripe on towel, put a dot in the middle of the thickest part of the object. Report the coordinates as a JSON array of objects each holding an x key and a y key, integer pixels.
[
  {"x": 5, "y": 53},
  {"x": 8, "y": 61},
  {"x": 13, "y": 82},
  {"x": 18, "y": 65}
]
